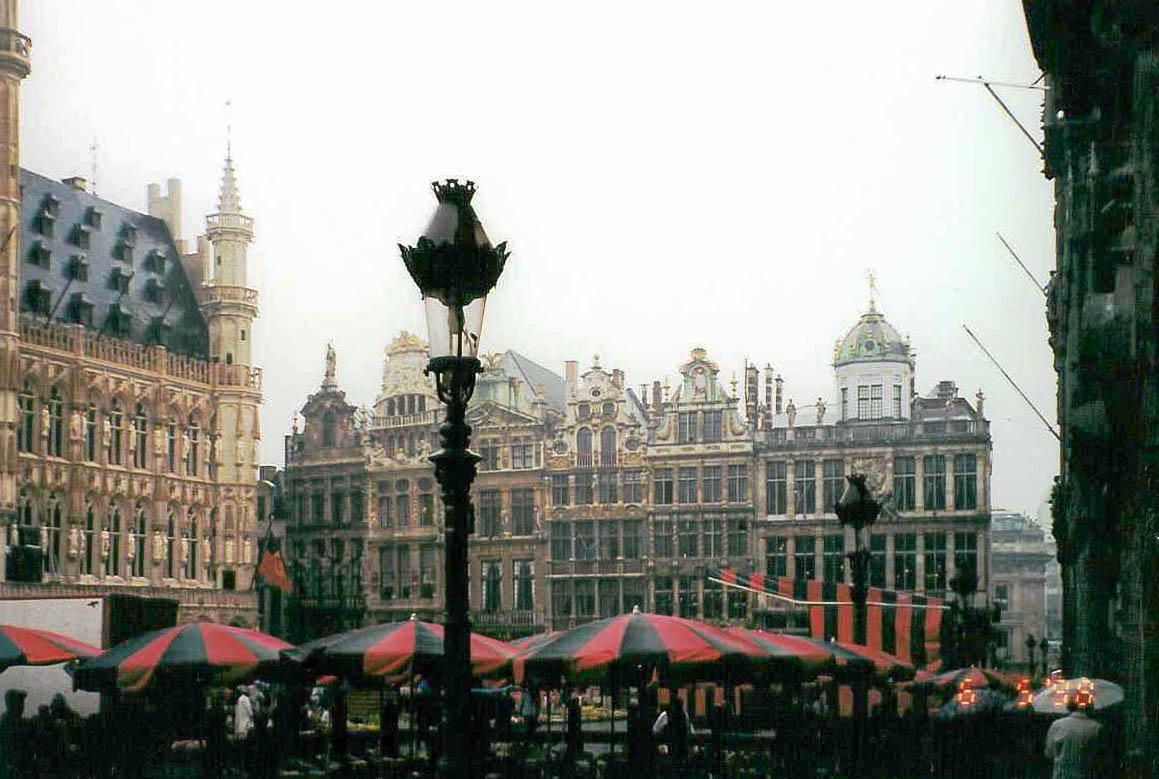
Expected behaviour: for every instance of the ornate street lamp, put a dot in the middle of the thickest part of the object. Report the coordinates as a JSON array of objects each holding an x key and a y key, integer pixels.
[
  {"x": 455, "y": 266},
  {"x": 859, "y": 509}
]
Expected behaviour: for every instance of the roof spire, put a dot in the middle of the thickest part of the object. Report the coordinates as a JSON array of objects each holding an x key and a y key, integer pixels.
[
  {"x": 871, "y": 277},
  {"x": 228, "y": 200}
]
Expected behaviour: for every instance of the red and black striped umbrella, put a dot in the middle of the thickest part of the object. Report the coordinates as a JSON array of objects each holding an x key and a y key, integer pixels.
[
  {"x": 851, "y": 658},
  {"x": 203, "y": 651},
  {"x": 395, "y": 650},
  {"x": 671, "y": 644},
  {"x": 978, "y": 678},
  {"x": 30, "y": 646},
  {"x": 789, "y": 651},
  {"x": 530, "y": 642}
]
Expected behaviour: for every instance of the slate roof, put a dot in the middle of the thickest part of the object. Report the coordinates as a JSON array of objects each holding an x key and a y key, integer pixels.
[
  {"x": 533, "y": 373},
  {"x": 130, "y": 272}
]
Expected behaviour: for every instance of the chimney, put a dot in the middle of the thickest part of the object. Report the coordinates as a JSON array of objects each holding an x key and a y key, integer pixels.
[
  {"x": 947, "y": 390},
  {"x": 617, "y": 378},
  {"x": 77, "y": 183},
  {"x": 752, "y": 393},
  {"x": 657, "y": 401},
  {"x": 768, "y": 386},
  {"x": 166, "y": 207},
  {"x": 780, "y": 392},
  {"x": 978, "y": 400},
  {"x": 570, "y": 375}
]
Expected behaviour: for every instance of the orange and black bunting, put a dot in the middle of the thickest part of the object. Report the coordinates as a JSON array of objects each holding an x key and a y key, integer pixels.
[{"x": 273, "y": 571}]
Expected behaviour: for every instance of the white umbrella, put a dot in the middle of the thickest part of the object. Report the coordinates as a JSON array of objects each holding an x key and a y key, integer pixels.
[{"x": 1052, "y": 699}]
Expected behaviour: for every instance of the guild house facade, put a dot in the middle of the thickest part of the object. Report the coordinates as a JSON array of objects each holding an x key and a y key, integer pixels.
[
  {"x": 593, "y": 498},
  {"x": 128, "y": 450}
]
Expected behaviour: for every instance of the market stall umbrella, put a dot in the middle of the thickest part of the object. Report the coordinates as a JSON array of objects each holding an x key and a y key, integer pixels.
[
  {"x": 1100, "y": 693},
  {"x": 202, "y": 651},
  {"x": 979, "y": 679},
  {"x": 852, "y": 657},
  {"x": 395, "y": 650},
  {"x": 673, "y": 645},
  {"x": 968, "y": 705},
  {"x": 30, "y": 646},
  {"x": 789, "y": 651},
  {"x": 530, "y": 642}
]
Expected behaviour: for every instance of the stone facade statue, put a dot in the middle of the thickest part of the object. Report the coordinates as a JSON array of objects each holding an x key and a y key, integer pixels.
[
  {"x": 206, "y": 551},
  {"x": 158, "y": 546},
  {"x": 73, "y": 542},
  {"x": 131, "y": 548},
  {"x": 820, "y": 410},
  {"x": 106, "y": 433},
  {"x": 45, "y": 421},
  {"x": 791, "y": 412},
  {"x": 248, "y": 549},
  {"x": 186, "y": 445},
  {"x": 239, "y": 447},
  {"x": 229, "y": 551},
  {"x": 44, "y": 538},
  {"x": 105, "y": 545},
  {"x": 76, "y": 426},
  {"x": 13, "y": 535}
]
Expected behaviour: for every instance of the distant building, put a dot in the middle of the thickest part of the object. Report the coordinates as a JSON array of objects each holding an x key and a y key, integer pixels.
[{"x": 1020, "y": 556}]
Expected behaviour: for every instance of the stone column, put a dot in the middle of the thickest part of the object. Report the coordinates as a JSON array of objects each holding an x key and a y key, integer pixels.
[
  {"x": 790, "y": 488},
  {"x": 950, "y": 567},
  {"x": 890, "y": 549},
  {"x": 920, "y": 564},
  {"x": 919, "y": 483},
  {"x": 951, "y": 503}
]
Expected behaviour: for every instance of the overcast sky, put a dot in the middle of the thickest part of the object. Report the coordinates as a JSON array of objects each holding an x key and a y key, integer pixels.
[{"x": 667, "y": 175}]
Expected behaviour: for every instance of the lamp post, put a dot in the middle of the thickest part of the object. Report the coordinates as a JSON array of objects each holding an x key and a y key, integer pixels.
[
  {"x": 1031, "y": 646},
  {"x": 1044, "y": 645},
  {"x": 455, "y": 266},
  {"x": 858, "y": 509}
]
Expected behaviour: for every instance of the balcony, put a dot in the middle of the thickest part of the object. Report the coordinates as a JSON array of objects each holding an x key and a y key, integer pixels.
[
  {"x": 508, "y": 622},
  {"x": 583, "y": 460}
]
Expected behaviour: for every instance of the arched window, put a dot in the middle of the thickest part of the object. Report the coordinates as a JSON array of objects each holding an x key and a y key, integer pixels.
[
  {"x": 583, "y": 445},
  {"x": 113, "y": 526},
  {"x": 329, "y": 428},
  {"x": 390, "y": 407},
  {"x": 26, "y": 428},
  {"x": 190, "y": 544},
  {"x": 170, "y": 544},
  {"x": 91, "y": 433},
  {"x": 55, "y": 525},
  {"x": 608, "y": 446},
  {"x": 140, "y": 534},
  {"x": 90, "y": 551},
  {"x": 140, "y": 435},
  {"x": 194, "y": 441},
  {"x": 116, "y": 423},
  {"x": 55, "y": 423}
]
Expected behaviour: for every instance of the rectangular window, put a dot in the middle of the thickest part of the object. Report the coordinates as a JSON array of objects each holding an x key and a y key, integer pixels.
[
  {"x": 738, "y": 537},
  {"x": 522, "y": 512},
  {"x": 713, "y": 426},
  {"x": 523, "y": 574},
  {"x": 686, "y": 427},
  {"x": 560, "y": 540},
  {"x": 935, "y": 563},
  {"x": 522, "y": 455},
  {"x": 844, "y": 403},
  {"x": 711, "y": 476},
  {"x": 318, "y": 508},
  {"x": 966, "y": 553},
  {"x": 897, "y": 401},
  {"x": 585, "y": 540},
  {"x": 1002, "y": 596},
  {"x": 426, "y": 509},
  {"x": 877, "y": 560},
  {"x": 585, "y": 598},
  {"x": 738, "y": 604},
  {"x": 935, "y": 482},
  {"x": 384, "y": 516},
  {"x": 738, "y": 483},
  {"x": 606, "y": 482},
  {"x": 662, "y": 488},
  {"x": 608, "y": 592},
  {"x": 559, "y": 489},
  {"x": 713, "y": 599},
  {"x": 686, "y": 485},
  {"x": 689, "y": 598},
  {"x": 338, "y": 506},
  {"x": 492, "y": 586},
  {"x": 904, "y": 484},
  {"x": 489, "y": 454},
  {"x": 776, "y": 488},
  {"x": 688, "y": 536},
  {"x": 609, "y": 539},
  {"x": 386, "y": 582},
  {"x": 633, "y": 486},
  {"x": 490, "y": 508},
  {"x": 833, "y": 558},
  {"x": 662, "y": 538},
  {"x": 712, "y": 536},
  {"x": 875, "y": 402},
  {"x": 804, "y": 559},
  {"x": 804, "y": 487},
  {"x": 632, "y": 547},
  {"x": 404, "y": 574},
  {"x": 662, "y": 595},
  {"x": 584, "y": 488},
  {"x": 776, "y": 556},
  {"x": 832, "y": 484},
  {"x": 357, "y": 511},
  {"x": 863, "y": 401},
  {"x": 633, "y": 590},
  {"x": 561, "y": 599},
  {"x": 905, "y": 561},
  {"x": 427, "y": 575},
  {"x": 965, "y": 481},
  {"x": 402, "y": 509}
]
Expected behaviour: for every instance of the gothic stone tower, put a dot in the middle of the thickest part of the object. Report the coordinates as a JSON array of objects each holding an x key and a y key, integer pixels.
[
  {"x": 230, "y": 306},
  {"x": 14, "y": 66}
]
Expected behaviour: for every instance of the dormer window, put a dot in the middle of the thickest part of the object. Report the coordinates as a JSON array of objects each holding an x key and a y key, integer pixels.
[
  {"x": 94, "y": 217},
  {"x": 118, "y": 321},
  {"x": 129, "y": 235},
  {"x": 40, "y": 256},
  {"x": 123, "y": 252},
  {"x": 155, "y": 261},
  {"x": 50, "y": 206},
  {"x": 46, "y": 224},
  {"x": 80, "y": 236},
  {"x": 119, "y": 280},
  {"x": 81, "y": 309},
  {"x": 37, "y": 298},
  {"x": 78, "y": 268},
  {"x": 159, "y": 330},
  {"x": 154, "y": 291}
]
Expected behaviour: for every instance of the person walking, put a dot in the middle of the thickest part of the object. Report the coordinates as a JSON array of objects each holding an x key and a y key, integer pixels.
[{"x": 1073, "y": 741}]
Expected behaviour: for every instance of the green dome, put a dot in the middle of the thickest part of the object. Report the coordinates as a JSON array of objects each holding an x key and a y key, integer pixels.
[{"x": 872, "y": 339}]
